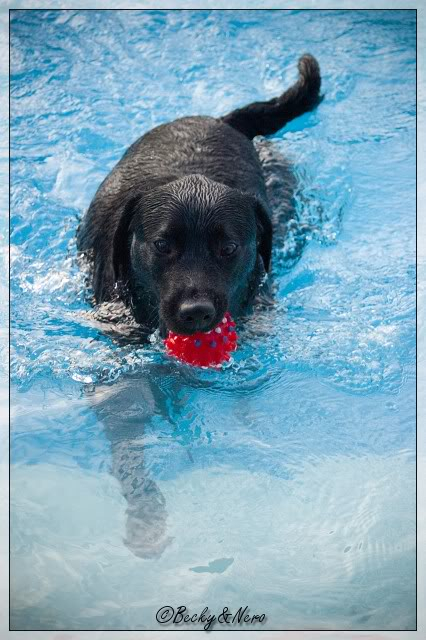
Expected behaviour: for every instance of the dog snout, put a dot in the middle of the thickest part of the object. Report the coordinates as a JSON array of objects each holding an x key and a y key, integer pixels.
[{"x": 197, "y": 315}]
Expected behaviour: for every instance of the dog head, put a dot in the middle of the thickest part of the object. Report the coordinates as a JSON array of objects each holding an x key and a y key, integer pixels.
[{"x": 192, "y": 246}]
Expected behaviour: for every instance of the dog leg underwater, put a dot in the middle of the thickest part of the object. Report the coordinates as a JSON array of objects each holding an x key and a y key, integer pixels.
[{"x": 125, "y": 410}]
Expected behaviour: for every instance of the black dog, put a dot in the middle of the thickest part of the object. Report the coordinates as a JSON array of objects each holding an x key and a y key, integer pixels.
[{"x": 181, "y": 229}]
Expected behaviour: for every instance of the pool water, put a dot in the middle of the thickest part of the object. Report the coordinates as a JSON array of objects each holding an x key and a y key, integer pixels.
[{"x": 285, "y": 481}]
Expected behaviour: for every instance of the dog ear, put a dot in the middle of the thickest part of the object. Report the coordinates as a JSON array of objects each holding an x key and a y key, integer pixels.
[
  {"x": 112, "y": 257},
  {"x": 122, "y": 240},
  {"x": 264, "y": 233}
]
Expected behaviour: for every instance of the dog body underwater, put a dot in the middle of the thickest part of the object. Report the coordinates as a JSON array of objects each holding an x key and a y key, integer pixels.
[{"x": 181, "y": 228}]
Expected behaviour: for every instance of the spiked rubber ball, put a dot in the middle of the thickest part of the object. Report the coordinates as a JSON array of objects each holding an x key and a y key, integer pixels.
[{"x": 208, "y": 349}]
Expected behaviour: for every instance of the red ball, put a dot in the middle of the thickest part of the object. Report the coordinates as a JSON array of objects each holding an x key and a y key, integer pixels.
[{"x": 201, "y": 349}]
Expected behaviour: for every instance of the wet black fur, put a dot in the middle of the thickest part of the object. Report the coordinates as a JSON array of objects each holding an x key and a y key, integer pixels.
[{"x": 198, "y": 183}]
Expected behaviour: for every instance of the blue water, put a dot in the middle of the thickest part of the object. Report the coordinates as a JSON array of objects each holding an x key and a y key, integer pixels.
[{"x": 286, "y": 481}]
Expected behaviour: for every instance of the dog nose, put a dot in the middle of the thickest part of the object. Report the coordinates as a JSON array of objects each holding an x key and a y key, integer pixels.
[{"x": 197, "y": 315}]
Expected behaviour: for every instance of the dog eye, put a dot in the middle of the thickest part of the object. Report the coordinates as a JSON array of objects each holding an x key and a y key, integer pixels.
[
  {"x": 162, "y": 246},
  {"x": 228, "y": 249}
]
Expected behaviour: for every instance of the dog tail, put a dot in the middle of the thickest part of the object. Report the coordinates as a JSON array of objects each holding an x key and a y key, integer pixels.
[{"x": 264, "y": 118}]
